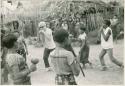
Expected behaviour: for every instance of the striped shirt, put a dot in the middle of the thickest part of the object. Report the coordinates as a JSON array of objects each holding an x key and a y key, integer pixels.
[{"x": 61, "y": 60}]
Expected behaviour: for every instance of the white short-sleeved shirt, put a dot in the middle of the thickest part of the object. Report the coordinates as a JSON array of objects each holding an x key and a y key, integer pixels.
[
  {"x": 61, "y": 60},
  {"x": 82, "y": 36},
  {"x": 49, "y": 43},
  {"x": 107, "y": 44}
]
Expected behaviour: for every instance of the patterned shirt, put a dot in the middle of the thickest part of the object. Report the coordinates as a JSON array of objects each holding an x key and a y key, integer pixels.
[
  {"x": 61, "y": 60},
  {"x": 16, "y": 61}
]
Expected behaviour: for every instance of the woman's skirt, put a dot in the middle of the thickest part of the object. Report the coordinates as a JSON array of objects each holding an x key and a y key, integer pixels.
[{"x": 84, "y": 54}]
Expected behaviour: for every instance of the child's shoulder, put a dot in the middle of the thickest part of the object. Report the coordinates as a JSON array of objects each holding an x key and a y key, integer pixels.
[{"x": 60, "y": 51}]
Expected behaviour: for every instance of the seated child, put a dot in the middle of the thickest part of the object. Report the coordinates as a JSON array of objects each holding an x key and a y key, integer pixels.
[
  {"x": 84, "y": 51},
  {"x": 16, "y": 64},
  {"x": 64, "y": 62}
]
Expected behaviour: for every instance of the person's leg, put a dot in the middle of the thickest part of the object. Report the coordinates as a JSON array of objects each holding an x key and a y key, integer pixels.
[
  {"x": 101, "y": 57},
  {"x": 45, "y": 57},
  {"x": 115, "y": 61},
  {"x": 87, "y": 55}
]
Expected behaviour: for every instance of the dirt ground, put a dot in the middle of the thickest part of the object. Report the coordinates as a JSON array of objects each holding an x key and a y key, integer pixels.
[
  {"x": 113, "y": 76},
  {"x": 94, "y": 76}
]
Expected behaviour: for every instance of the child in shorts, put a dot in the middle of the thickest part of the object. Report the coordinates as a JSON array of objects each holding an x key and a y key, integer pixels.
[
  {"x": 63, "y": 61},
  {"x": 15, "y": 63}
]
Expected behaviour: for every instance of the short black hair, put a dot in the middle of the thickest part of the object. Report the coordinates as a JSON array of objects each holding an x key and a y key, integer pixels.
[
  {"x": 107, "y": 22},
  {"x": 60, "y": 35},
  {"x": 9, "y": 40}
]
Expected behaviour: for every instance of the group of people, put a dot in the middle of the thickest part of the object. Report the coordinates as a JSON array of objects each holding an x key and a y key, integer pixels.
[{"x": 58, "y": 47}]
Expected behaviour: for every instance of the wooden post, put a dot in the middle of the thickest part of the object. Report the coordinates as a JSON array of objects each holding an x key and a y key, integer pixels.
[{"x": 2, "y": 15}]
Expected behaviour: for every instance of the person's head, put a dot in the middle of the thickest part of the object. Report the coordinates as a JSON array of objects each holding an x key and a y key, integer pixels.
[
  {"x": 115, "y": 16},
  {"x": 15, "y": 25},
  {"x": 106, "y": 23},
  {"x": 17, "y": 34},
  {"x": 61, "y": 36},
  {"x": 82, "y": 29},
  {"x": 42, "y": 25},
  {"x": 10, "y": 41}
]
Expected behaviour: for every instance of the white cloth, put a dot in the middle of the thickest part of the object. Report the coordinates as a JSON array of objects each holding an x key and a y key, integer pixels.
[
  {"x": 107, "y": 44},
  {"x": 82, "y": 36},
  {"x": 49, "y": 42}
]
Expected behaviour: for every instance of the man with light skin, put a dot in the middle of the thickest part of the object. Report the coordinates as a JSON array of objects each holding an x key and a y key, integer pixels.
[{"x": 48, "y": 43}]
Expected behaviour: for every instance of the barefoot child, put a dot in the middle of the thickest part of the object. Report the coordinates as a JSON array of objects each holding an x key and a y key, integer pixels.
[
  {"x": 64, "y": 63},
  {"x": 22, "y": 47},
  {"x": 84, "y": 51},
  {"x": 107, "y": 45},
  {"x": 15, "y": 63}
]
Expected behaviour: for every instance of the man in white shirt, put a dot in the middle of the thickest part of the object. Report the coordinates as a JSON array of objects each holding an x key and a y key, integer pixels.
[
  {"x": 107, "y": 45},
  {"x": 48, "y": 42}
]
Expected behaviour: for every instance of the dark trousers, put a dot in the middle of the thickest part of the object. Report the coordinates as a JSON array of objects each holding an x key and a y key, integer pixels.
[{"x": 46, "y": 56}]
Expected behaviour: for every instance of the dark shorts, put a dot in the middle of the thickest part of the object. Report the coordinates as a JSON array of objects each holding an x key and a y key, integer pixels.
[{"x": 65, "y": 80}]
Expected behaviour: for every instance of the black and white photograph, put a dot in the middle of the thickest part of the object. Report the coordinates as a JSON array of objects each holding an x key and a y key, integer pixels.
[{"x": 62, "y": 42}]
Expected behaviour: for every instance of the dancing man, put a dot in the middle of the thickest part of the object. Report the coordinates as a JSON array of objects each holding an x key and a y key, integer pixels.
[{"x": 48, "y": 43}]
